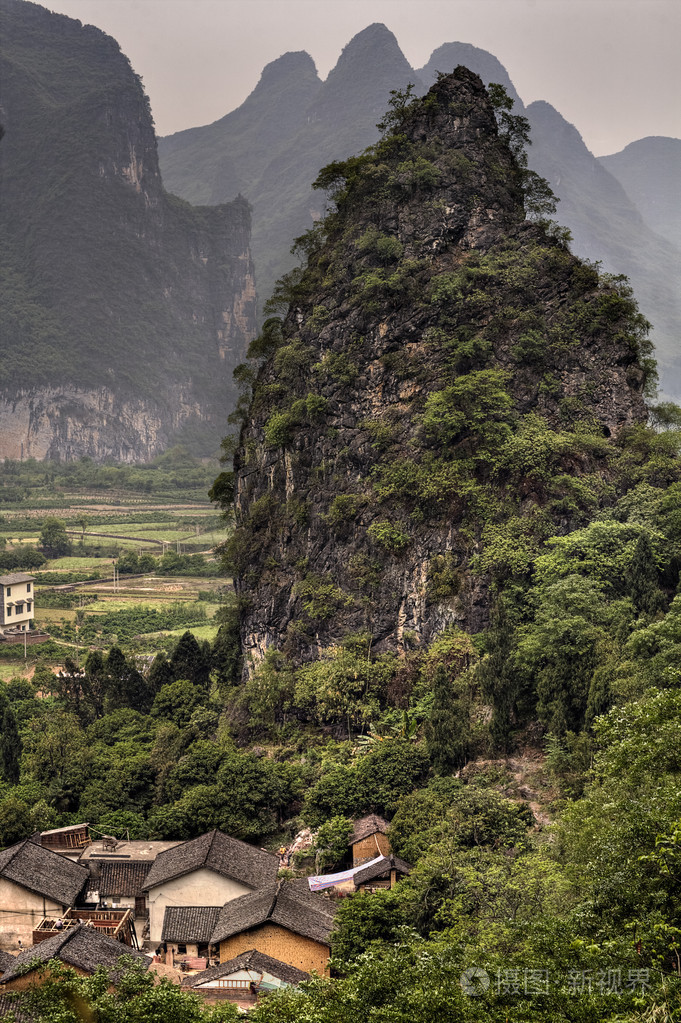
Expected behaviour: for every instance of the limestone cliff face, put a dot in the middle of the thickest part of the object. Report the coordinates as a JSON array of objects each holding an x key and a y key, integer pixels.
[
  {"x": 68, "y": 423},
  {"x": 446, "y": 389},
  {"x": 115, "y": 294}
]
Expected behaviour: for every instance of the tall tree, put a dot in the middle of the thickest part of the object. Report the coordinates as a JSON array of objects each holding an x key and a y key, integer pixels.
[
  {"x": 160, "y": 673},
  {"x": 447, "y": 729},
  {"x": 10, "y": 743},
  {"x": 189, "y": 661},
  {"x": 54, "y": 538},
  {"x": 641, "y": 579},
  {"x": 498, "y": 677}
]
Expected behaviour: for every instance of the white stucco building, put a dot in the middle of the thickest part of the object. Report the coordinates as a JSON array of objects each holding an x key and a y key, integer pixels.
[
  {"x": 208, "y": 872},
  {"x": 16, "y": 602},
  {"x": 34, "y": 883}
]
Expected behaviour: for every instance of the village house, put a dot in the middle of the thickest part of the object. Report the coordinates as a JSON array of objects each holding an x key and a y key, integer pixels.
[
  {"x": 34, "y": 883},
  {"x": 82, "y": 948},
  {"x": 369, "y": 839},
  {"x": 383, "y": 874},
  {"x": 118, "y": 871},
  {"x": 187, "y": 930},
  {"x": 16, "y": 602},
  {"x": 121, "y": 885},
  {"x": 286, "y": 922},
  {"x": 244, "y": 978},
  {"x": 207, "y": 871}
]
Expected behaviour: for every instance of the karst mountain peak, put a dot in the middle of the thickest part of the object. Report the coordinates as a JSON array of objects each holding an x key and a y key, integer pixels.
[{"x": 433, "y": 340}]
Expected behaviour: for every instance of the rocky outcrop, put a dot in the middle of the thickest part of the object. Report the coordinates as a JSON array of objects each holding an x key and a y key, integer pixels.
[
  {"x": 444, "y": 373},
  {"x": 67, "y": 423},
  {"x": 116, "y": 295}
]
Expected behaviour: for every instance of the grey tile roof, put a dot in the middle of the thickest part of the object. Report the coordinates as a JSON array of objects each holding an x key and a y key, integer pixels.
[
  {"x": 14, "y": 1003},
  {"x": 252, "y": 960},
  {"x": 84, "y": 947},
  {"x": 384, "y": 866},
  {"x": 189, "y": 923},
  {"x": 15, "y": 577},
  {"x": 122, "y": 878},
  {"x": 291, "y": 905},
  {"x": 219, "y": 852},
  {"x": 6, "y": 960},
  {"x": 366, "y": 826},
  {"x": 43, "y": 871}
]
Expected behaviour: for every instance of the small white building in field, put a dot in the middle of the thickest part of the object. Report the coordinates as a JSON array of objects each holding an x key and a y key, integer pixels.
[{"x": 16, "y": 602}]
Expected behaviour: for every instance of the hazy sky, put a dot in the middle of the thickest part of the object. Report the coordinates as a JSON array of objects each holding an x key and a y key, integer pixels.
[{"x": 611, "y": 67}]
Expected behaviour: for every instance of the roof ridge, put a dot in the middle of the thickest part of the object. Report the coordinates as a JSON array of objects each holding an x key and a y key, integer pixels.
[
  {"x": 273, "y": 903},
  {"x": 213, "y": 835},
  {"x": 249, "y": 845}
]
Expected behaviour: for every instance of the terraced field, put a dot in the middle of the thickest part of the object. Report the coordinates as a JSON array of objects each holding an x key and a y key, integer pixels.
[{"x": 142, "y": 613}]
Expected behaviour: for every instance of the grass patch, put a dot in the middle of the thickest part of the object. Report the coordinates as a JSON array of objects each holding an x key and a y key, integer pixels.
[
  {"x": 200, "y": 632},
  {"x": 75, "y": 564}
]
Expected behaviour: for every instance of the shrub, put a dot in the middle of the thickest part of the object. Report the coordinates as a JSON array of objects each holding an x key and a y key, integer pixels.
[
  {"x": 321, "y": 597},
  {"x": 280, "y": 429},
  {"x": 343, "y": 508},
  {"x": 389, "y": 536}
]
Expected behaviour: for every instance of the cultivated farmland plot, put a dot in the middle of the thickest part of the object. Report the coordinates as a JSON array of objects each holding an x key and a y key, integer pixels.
[{"x": 144, "y": 612}]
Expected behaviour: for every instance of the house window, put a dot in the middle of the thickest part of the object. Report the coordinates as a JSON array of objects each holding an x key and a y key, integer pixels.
[
  {"x": 28, "y": 587},
  {"x": 9, "y": 591},
  {"x": 20, "y": 608},
  {"x": 181, "y": 950},
  {"x": 9, "y": 611},
  {"x": 29, "y": 604}
]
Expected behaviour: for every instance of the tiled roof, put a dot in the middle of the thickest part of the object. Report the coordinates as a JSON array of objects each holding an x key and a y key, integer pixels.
[
  {"x": 43, "y": 871},
  {"x": 383, "y": 866},
  {"x": 189, "y": 923},
  {"x": 219, "y": 852},
  {"x": 253, "y": 960},
  {"x": 84, "y": 947},
  {"x": 6, "y": 960},
  {"x": 290, "y": 904},
  {"x": 12, "y": 1002},
  {"x": 368, "y": 826},
  {"x": 15, "y": 577},
  {"x": 122, "y": 878}
]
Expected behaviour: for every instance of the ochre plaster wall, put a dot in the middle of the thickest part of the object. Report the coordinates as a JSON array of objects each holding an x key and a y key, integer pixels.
[
  {"x": 370, "y": 847},
  {"x": 281, "y": 944}
]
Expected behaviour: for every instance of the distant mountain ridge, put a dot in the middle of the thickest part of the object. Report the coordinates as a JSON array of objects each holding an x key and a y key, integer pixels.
[
  {"x": 649, "y": 170},
  {"x": 124, "y": 309},
  {"x": 339, "y": 119}
]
